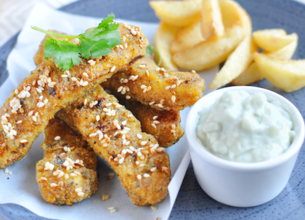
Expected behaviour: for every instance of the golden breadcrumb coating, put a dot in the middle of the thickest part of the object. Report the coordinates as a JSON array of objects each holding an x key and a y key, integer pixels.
[
  {"x": 164, "y": 90},
  {"x": 67, "y": 173},
  {"x": 48, "y": 89},
  {"x": 167, "y": 132},
  {"x": 163, "y": 125},
  {"x": 142, "y": 166}
]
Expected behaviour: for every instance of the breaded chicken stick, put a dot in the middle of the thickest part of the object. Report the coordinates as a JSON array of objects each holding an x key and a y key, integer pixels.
[
  {"x": 115, "y": 134},
  {"x": 27, "y": 111},
  {"x": 163, "y": 125},
  {"x": 168, "y": 130},
  {"x": 67, "y": 173},
  {"x": 164, "y": 90}
]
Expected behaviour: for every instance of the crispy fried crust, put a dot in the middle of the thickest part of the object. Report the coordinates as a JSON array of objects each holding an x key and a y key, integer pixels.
[
  {"x": 167, "y": 132},
  {"x": 163, "y": 125},
  {"x": 147, "y": 83},
  {"x": 115, "y": 134},
  {"x": 27, "y": 111},
  {"x": 63, "y": 184}
]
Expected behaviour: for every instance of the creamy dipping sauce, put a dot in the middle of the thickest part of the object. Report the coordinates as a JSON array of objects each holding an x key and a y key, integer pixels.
[{"x": 245, "y": 128}]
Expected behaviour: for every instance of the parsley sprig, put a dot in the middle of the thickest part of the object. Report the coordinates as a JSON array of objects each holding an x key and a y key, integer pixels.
[{"x": 94, "y": 43}]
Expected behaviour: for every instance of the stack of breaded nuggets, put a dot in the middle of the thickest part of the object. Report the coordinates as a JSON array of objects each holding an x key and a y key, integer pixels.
[{"x": 91, "y": 117}]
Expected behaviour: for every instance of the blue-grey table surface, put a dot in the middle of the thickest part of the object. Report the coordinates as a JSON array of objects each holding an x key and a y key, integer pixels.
[{"x": 192, "y": 202}]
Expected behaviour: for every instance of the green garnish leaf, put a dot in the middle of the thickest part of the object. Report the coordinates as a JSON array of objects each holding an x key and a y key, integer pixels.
[
  {"x": 106, "y": 26},
  {"x": 65, "y": 53},
  {"x": 102, "y": 47},
  {"x": 94, "y": 43},
  {"x": 151, "y": 50}
]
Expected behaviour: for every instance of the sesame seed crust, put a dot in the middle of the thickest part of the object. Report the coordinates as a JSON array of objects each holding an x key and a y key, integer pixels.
[
  {"x": 59, "y": 91},
  {"x": 177, "y": 89},
  {"x": 164, "y": 125},
  {"x": 121, "y": 146},
  {"x": 59, "y": 185}
]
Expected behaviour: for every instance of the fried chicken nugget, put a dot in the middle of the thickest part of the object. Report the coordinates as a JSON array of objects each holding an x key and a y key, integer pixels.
[
  {"x": 163, "y": 125},
  {"x": 147, "y": 83},
  {"x": 67, "y": 173},
  {"x": 48, "y": 89},
  {"x": 142, "y": 166}
]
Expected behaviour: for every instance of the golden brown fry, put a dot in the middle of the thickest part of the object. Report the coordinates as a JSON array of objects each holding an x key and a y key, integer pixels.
[
  {"x": 211, "y": 51},
  {"x": 147, "y": 83},
  {"x": 27, "y": 111},
  {"x": 187, "y": 37},
  {"x": 250, "y": 75},
  {"x": 177, "y": 13},
  {"x": 66, "y": 174},
  {"x": 231, "y": 12},
  {"x": 289, "y": 75},
  {"x": 237, "y": 62},
  {"x": 164, "y": 37},
  {"x": 115, "y": 134},
  {"x": 163, "y": 125},
  {"x": 211, "y": 19}
]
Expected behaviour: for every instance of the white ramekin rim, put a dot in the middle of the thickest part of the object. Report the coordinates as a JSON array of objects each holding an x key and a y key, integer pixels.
[{"x": 196, "y": 145}]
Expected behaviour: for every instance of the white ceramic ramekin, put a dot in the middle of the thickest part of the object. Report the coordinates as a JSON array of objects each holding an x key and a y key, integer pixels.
[{"x": 242, "y": 184}]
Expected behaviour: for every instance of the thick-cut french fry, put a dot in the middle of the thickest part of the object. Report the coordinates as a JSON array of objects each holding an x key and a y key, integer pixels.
[
  {"x": 67, "y": 172},
  {"x": 211, "y": 20},
  {"x": 273, "y": 40},
  {"x": 187, "y": 37},
  {"x": 115, "y": 134},
  {"x": 237, "y": 62},
  {"x": 163, "y": 125},
  {"x": 164, "y": 90},
  {"x": 288, "y": 75},
  {"x": 210, "y": 52},
  {"x": 284, "y": 53},
  {"x": 270, "y": 32},
  {"x": 231, "y": 12},
  {"x": 177, "y": 13},
  {"x": 164, "y": 36},
  {"x": 191, "y": 35},
  {"x": 27, "y": 111},
  {"x": 252, "y": 73}
]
